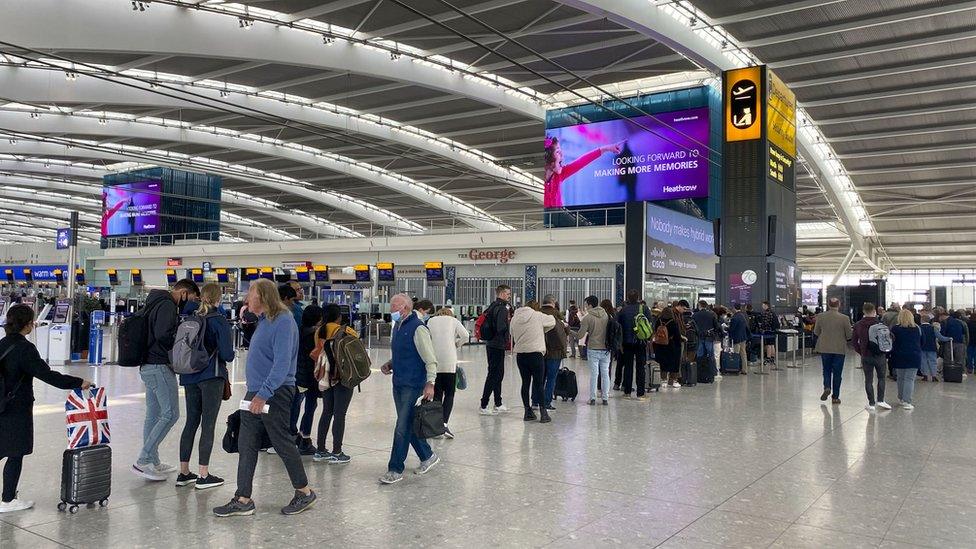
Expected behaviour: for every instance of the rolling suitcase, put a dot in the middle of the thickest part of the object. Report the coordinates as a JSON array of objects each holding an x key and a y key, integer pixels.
[
  {"x": 566, "y": 387},
  {"x": 706, "y": 368},
  {"x": 730, "y": 363},
  {"x": 86, "y": 477},
  {"x": 952, "y": 374}
]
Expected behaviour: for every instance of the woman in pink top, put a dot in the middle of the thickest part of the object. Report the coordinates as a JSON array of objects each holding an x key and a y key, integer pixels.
[{"x": 556, "y": 173}]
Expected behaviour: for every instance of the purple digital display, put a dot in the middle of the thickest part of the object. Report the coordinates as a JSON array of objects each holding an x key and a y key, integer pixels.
[
  {"x": 132, "y": 208},
  {"x": 620, "y": 161}
]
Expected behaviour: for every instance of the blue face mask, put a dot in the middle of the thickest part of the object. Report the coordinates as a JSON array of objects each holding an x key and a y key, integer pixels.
[
  {"x": 424, "y": 317},
  {"x": 395, "y": 317}
]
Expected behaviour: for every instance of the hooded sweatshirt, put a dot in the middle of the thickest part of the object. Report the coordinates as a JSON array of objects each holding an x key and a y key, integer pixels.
[
  {"x": 528, "y": 328},
  {"x": 594, "y": 328},
  {"x": 163, "y": 318}
]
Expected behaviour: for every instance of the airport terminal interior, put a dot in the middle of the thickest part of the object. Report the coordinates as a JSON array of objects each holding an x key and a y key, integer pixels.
[{"x": 563, "y": 273}]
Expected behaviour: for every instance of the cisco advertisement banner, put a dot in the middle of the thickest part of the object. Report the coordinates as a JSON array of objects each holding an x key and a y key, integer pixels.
[
  {"x": 679, "y": 245},
  {"x": 131, "y": 208},
  {"x": 620, "y": 161}
]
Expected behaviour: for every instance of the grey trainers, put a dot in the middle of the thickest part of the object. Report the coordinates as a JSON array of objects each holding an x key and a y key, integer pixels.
[
  {"x": 235, "y": 509},
  {"x": 391, "y": 477},
  {"x": 427, "y": 464},
  {"x": 299, "y": 503}
]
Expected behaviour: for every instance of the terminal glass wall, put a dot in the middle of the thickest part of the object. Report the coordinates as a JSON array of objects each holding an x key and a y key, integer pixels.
[{"x": 915, "y": 285}]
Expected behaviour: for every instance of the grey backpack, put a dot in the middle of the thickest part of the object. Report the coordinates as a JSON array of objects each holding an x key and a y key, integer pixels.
[{"x": 189, "y": 355}]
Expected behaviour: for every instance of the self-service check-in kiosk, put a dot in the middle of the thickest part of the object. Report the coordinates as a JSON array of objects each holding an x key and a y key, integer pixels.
[
  {"x": 96, "y": 339},
  {"x": 42, "y": 331},
  {"x": 59, "y": 339}
]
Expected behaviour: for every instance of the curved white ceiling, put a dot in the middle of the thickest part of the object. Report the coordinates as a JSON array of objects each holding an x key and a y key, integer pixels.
[
  {"x": 35, "y": 84},
  {"x": 51, "y": 121},
  {"x": 111, "y": 26},
  {"x": 38, "y": 145}
]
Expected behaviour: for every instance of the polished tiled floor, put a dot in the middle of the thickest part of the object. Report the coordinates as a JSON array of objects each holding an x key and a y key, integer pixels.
[{"x": 751, "y": 461}]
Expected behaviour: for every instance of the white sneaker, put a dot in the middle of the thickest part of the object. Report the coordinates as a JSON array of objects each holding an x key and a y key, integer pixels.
[
  {"x": 884, "y": 405},
  {"x": 907, "y": 406},
  {"x": 484, "y": 411},
  {"x": 676, "y": 385},
  {"x": 148, "y": 472},
  {"x": 165, "y": 468},
  {"x": 15, "y": 505},
  {"x": 271, "y": 450},
  {"x": 501, "y": 409},
  {"x": 869, "y": 408}
]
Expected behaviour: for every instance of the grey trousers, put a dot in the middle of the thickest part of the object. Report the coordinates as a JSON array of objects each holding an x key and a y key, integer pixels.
[
  {"x": 874, "y": 365},
  {"x": 276, "y": 423}
]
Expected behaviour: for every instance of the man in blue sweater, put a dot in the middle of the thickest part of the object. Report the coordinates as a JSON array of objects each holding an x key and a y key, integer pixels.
[
  {"x": 740, "y": 336},
  {"x": 270, "y": 376},
  {"x": 414, "y": 369}
]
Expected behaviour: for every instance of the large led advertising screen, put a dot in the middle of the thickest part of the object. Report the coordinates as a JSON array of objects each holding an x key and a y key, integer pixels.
[
  {"x": 621, "y": 160},
  {"x": 131, "y": 208},
  {"x": 679, "y": 245}
]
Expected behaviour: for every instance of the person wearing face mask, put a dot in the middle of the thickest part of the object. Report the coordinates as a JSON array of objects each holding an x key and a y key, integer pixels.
[
  {"x": 414, "y": 369},
  {"x": 162, "y": 389}
]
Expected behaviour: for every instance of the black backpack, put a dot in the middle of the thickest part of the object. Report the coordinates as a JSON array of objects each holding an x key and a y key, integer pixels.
[
  {"x": 134, "y": 337},
  {"x": 614, "y": 336}
]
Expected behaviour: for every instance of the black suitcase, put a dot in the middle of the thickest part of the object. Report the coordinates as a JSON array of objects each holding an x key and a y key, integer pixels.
[
  {"x": 566, "y": 387},
  {"x": 952, "y": 374},
  {"x": 706, "y": 368},
  {"x": 689, "y": 373},
  {"x": 86, "y": 477}
]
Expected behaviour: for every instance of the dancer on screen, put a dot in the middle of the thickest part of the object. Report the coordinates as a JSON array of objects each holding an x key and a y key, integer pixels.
[{"x": 556, "y": 172}]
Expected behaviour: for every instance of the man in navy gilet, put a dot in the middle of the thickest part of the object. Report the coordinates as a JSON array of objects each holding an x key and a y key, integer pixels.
[{"x": 414, "y": 369}]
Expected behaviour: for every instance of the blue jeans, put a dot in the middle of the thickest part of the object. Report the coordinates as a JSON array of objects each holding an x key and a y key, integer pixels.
[
  {"x": 552, "y": 369},
  {"x": 906, "y": 384},
  {"x": 930, "y": 364},
  {"x": 599, "y": 360},
  {"x": 404, "y": 400},
  {"x": 162, "y": 409},
  {"x": 833, "y": 368},
  {"x": 971, "y": 355}
]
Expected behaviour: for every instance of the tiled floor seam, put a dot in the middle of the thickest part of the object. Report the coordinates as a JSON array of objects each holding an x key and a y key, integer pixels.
[
  {"x": 764, "y": 475},
  {"x": 59, "y": 544}
]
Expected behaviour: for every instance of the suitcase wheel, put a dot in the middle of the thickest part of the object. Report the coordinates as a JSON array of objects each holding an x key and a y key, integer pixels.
[
  {"x": 573, "y": 399},
  {"x": 103, "y": 503},
  {"x": 73, "y": 509},
  {"x": 62, "y": 506}
]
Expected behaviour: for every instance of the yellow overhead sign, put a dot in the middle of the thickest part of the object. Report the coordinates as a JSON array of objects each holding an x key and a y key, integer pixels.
[
  {"x": 781, "y": 115},
  {"x": 743, "y": 104}
]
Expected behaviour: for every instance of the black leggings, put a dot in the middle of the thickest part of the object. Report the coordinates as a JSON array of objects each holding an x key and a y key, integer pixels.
[
  {"x": 532, "y": 367},
  {"x": 202, "y": 406},
  {"x": 335, "y": 404},
  {"x": 11, "y": 477},
  {"x": 444, "y": 387}
]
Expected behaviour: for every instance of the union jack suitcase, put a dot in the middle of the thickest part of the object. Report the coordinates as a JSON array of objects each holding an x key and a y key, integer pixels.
[
  {"x": 86, "y": 477},
  {"x": 86, "y": 468}
]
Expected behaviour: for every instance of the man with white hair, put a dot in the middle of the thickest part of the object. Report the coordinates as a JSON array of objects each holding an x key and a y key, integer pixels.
[{"x": 414, "y": 369}]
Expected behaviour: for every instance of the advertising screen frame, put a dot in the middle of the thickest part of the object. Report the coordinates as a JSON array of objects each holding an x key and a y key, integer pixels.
[
  {"x": 678, "y": 245},
  {"x": 146, "y": 202}
]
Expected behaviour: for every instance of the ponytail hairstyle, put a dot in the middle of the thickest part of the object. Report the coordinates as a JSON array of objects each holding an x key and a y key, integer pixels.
[{"x": 210, "y": 296}]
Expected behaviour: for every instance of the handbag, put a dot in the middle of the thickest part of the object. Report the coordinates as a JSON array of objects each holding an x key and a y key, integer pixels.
[
  {"x": 461, "y": 379},
  {"x": 428, "y": 419},
  {"x": 228, "y": 390}
]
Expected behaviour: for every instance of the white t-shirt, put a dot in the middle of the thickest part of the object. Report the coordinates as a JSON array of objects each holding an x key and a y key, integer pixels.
[{"x": 448, "y": 335}]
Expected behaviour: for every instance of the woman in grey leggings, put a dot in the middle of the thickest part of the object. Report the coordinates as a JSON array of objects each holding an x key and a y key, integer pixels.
[{"x": 204, "y": 391}]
